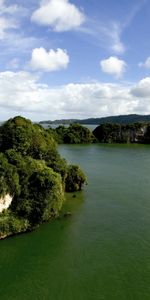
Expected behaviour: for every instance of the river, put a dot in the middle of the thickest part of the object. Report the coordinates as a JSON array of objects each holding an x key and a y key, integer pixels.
[{"x": 102, "y": 251}]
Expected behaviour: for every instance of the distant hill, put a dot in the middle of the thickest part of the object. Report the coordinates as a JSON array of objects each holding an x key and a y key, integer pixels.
[
  {"x": 121, "y": 119},
  {"x": 61, "y": 121}
]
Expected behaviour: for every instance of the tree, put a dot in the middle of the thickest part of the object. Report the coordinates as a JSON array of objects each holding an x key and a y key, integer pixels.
[
  {"x": 27, "y": 138},
  {"x": 75, "y": 179},
  {"x": 74, "y": 134},
  {"x": 9, "y": 179}
]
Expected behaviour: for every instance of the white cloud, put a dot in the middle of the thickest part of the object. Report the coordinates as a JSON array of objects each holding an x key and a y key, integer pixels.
[
  {"x": 146, "y": 64},
  {"x": 113, "y": 66},
  {"x": 141, "y": 92},
  {"x": 11, "y": 9},
  {"x": 106, "y": 35},
  {"x": 114, "y": 33},
  {"x": 61, "y": 15},
  {"x": 7, "y": 21},
  {"x": 49, "y": 61},
  {"x": 142, "y": 88},
  {"x": 15, "y": 41},
  {"x": 21, "y": 93},
  {"x": 5, "y": 24}
]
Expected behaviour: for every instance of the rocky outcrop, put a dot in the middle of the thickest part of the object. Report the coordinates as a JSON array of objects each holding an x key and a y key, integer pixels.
[
  {"x": 115, "y": 133},
  {"x": 5, "y": 202}
]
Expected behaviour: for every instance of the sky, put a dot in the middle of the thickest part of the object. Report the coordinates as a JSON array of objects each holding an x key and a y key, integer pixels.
[{"x": 74, "y": 58}]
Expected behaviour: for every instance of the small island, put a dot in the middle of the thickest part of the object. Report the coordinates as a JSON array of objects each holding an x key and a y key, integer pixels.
[
  {"x": 33, "y": 176},
  {"x": 75, "y": 133},
  {"x": 123, "y": 133}
]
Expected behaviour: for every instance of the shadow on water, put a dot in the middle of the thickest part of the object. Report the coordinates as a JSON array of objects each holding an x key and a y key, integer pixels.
[{"x": 30, "y": 262}]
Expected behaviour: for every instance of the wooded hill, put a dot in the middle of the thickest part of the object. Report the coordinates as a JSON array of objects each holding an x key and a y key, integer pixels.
[{"x": 121, "y": 119}]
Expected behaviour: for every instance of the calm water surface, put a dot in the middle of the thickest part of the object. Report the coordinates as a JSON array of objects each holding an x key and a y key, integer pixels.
[{"x": 103, "y": 250}]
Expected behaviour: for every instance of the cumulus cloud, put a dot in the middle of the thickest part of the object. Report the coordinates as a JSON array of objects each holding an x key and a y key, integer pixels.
[
  {"x": 141, "y": 92},
  {"x": 49, "y": 61},
  {"x": 60, "y": 15},
  {"x": 146, "y": 64},
  {"x": 22, "y": 93},
  {"x": 142, "y": 88},
  {"x": 113, "y": 66}
]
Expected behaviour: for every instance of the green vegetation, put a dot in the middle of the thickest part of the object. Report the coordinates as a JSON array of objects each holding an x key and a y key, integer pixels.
[
  {"x": 74, "y": 134},
  {"x": 33, "y": 174},
  {"x": 130, "y": 133},
  {"x": 75, "y": 179},
  {"x": 121, "y": 119},
  {"x": 11, "y": 224}
]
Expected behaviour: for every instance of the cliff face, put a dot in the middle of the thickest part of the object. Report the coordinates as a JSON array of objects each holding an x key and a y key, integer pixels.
[
  {"x": 115, "y": 133},
  {"x": 5, "y": 202}
]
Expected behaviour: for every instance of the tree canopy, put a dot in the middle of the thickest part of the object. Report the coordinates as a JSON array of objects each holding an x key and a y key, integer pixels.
[
  {"x": 117, "y": 133},
  {"x": 74, "y": 134},
  {"x": 34, "y": 174}
]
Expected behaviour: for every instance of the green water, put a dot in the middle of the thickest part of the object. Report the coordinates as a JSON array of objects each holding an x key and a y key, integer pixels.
[{"x": 103, "y": 250}]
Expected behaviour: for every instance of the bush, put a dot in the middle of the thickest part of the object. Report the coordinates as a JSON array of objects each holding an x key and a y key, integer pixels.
[
  {"x": 75, "y": 179},
  {"x": 11, "y": 224}
]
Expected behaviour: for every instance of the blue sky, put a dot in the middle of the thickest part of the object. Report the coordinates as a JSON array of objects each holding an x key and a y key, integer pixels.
[{"x": 74, "y": 58}]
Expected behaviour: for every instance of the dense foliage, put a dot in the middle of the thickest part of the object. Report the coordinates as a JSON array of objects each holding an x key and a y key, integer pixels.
[
  {"x": 74, "y": 134},
  {"x": 75, "y": 178},
  {"x": 115, "y": 133},
  {"x": 27, "y": 138},
  {"x": 12, "y": 224},
  {"x": 34, "y": 174},
  {"x": 9, "y": 178}
]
